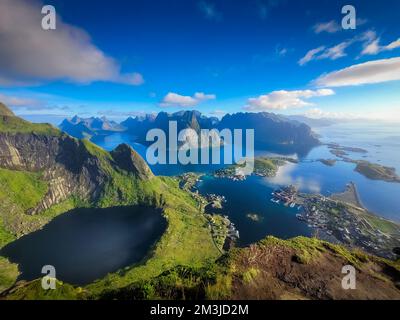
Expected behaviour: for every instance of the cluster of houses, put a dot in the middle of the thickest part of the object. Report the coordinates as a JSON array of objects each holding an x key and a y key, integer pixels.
[
  {"x": 334, "y": 219},
  {"x": 286, "y": 195}
]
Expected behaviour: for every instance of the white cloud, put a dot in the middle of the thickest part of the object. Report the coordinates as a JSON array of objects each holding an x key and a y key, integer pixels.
[
  {"x": 335, "y": 52},
  {"x": 310, "y": 55},
  {"x": 371, "y": 48},
  {"x": 372, "y": 45},
  {"x": 393, "y": 45},
  {"x": 330, "y": 27},
  {"x": 12, "y": 101},
  {"x": 176, "y": 100},
  {"x": 30, "y": 104},
  {"x": 282, "y": 100},
  {"x": 332, "y": 53},
  {"x": 333, "y": 27},
  {"x": 370, "y": 42},
  {"x": 31, "y": 55},
  {"x": 365, "y": 73}
]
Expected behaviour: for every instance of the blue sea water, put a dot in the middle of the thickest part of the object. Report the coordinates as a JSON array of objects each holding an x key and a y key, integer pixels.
[{"x": 253, "y": 195}]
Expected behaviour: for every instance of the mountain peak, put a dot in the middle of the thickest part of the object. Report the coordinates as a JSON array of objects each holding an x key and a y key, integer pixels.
[
  {"x": 75, "y": 119},
  {"x": 5, "y": 111},
  {"x": 129, "y": 160}
]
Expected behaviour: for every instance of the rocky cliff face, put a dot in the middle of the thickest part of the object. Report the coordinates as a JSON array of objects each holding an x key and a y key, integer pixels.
[{"x": 68, "y": 165}]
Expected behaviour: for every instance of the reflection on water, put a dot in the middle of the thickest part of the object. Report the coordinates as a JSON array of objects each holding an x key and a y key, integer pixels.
[{"x": 286, "y": 177}]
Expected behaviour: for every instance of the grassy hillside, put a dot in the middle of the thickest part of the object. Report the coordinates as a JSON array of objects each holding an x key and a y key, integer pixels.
[
  {"x": 299, "y": 268},
  {"x": 12, "y": 124},
  {"x": 4, "y": 111},
  {"x": 23, "y": 188},
  {"x": 33, "y": 291},
  {"x": 9, "y": 272},
  {"x": 187, "y": 226},
  {"x": 187, "y": 229}
]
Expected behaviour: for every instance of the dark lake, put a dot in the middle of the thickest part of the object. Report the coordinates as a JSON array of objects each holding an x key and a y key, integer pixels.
[{"x": 85, "y": 244}]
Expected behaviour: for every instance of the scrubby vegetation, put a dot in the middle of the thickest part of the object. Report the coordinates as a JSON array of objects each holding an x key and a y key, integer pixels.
[
  {"x": 33, "y": 291},
  {"x": 299, "y": 268}
]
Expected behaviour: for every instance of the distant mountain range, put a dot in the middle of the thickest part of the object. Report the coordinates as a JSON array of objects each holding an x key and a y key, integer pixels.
[
  {"x": 89, "y": 127},
  {"x": 312, "y": 122},
  {"x": 271, "y": 130}
]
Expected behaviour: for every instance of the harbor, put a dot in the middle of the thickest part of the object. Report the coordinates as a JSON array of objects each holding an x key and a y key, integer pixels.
[
  {"x": 288, "y": 196},
  {"x": 341, "y": 218}
]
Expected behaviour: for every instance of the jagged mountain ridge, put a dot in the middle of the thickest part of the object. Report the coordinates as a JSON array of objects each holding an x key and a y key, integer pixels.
[
  {"x": 270, "y": 129},
  {"x": 89, "y": 127}
]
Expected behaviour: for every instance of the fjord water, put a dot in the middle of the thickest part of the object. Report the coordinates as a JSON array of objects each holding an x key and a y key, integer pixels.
[
  {"x": 85, "y": 244},
  {"x": 382, "y": 141}
]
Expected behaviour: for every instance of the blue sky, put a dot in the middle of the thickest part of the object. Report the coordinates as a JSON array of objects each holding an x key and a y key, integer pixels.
[{"x": 120, "y": 58}]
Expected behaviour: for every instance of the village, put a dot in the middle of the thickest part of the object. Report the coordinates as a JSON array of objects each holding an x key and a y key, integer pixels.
[
  {"x": 341, "y": 222},
  {"x": 224, "y": 232}
]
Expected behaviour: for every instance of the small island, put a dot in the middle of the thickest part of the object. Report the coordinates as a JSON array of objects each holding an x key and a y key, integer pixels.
[
  {"x": 263, "y": 167},
  {"x": 335, "y": 146},
  {"x": 375, "y": 171},
  {"x": 254, "y": 217},
  {"x": 368, "y": 169},
  {"x": 328, "y": 162}
]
